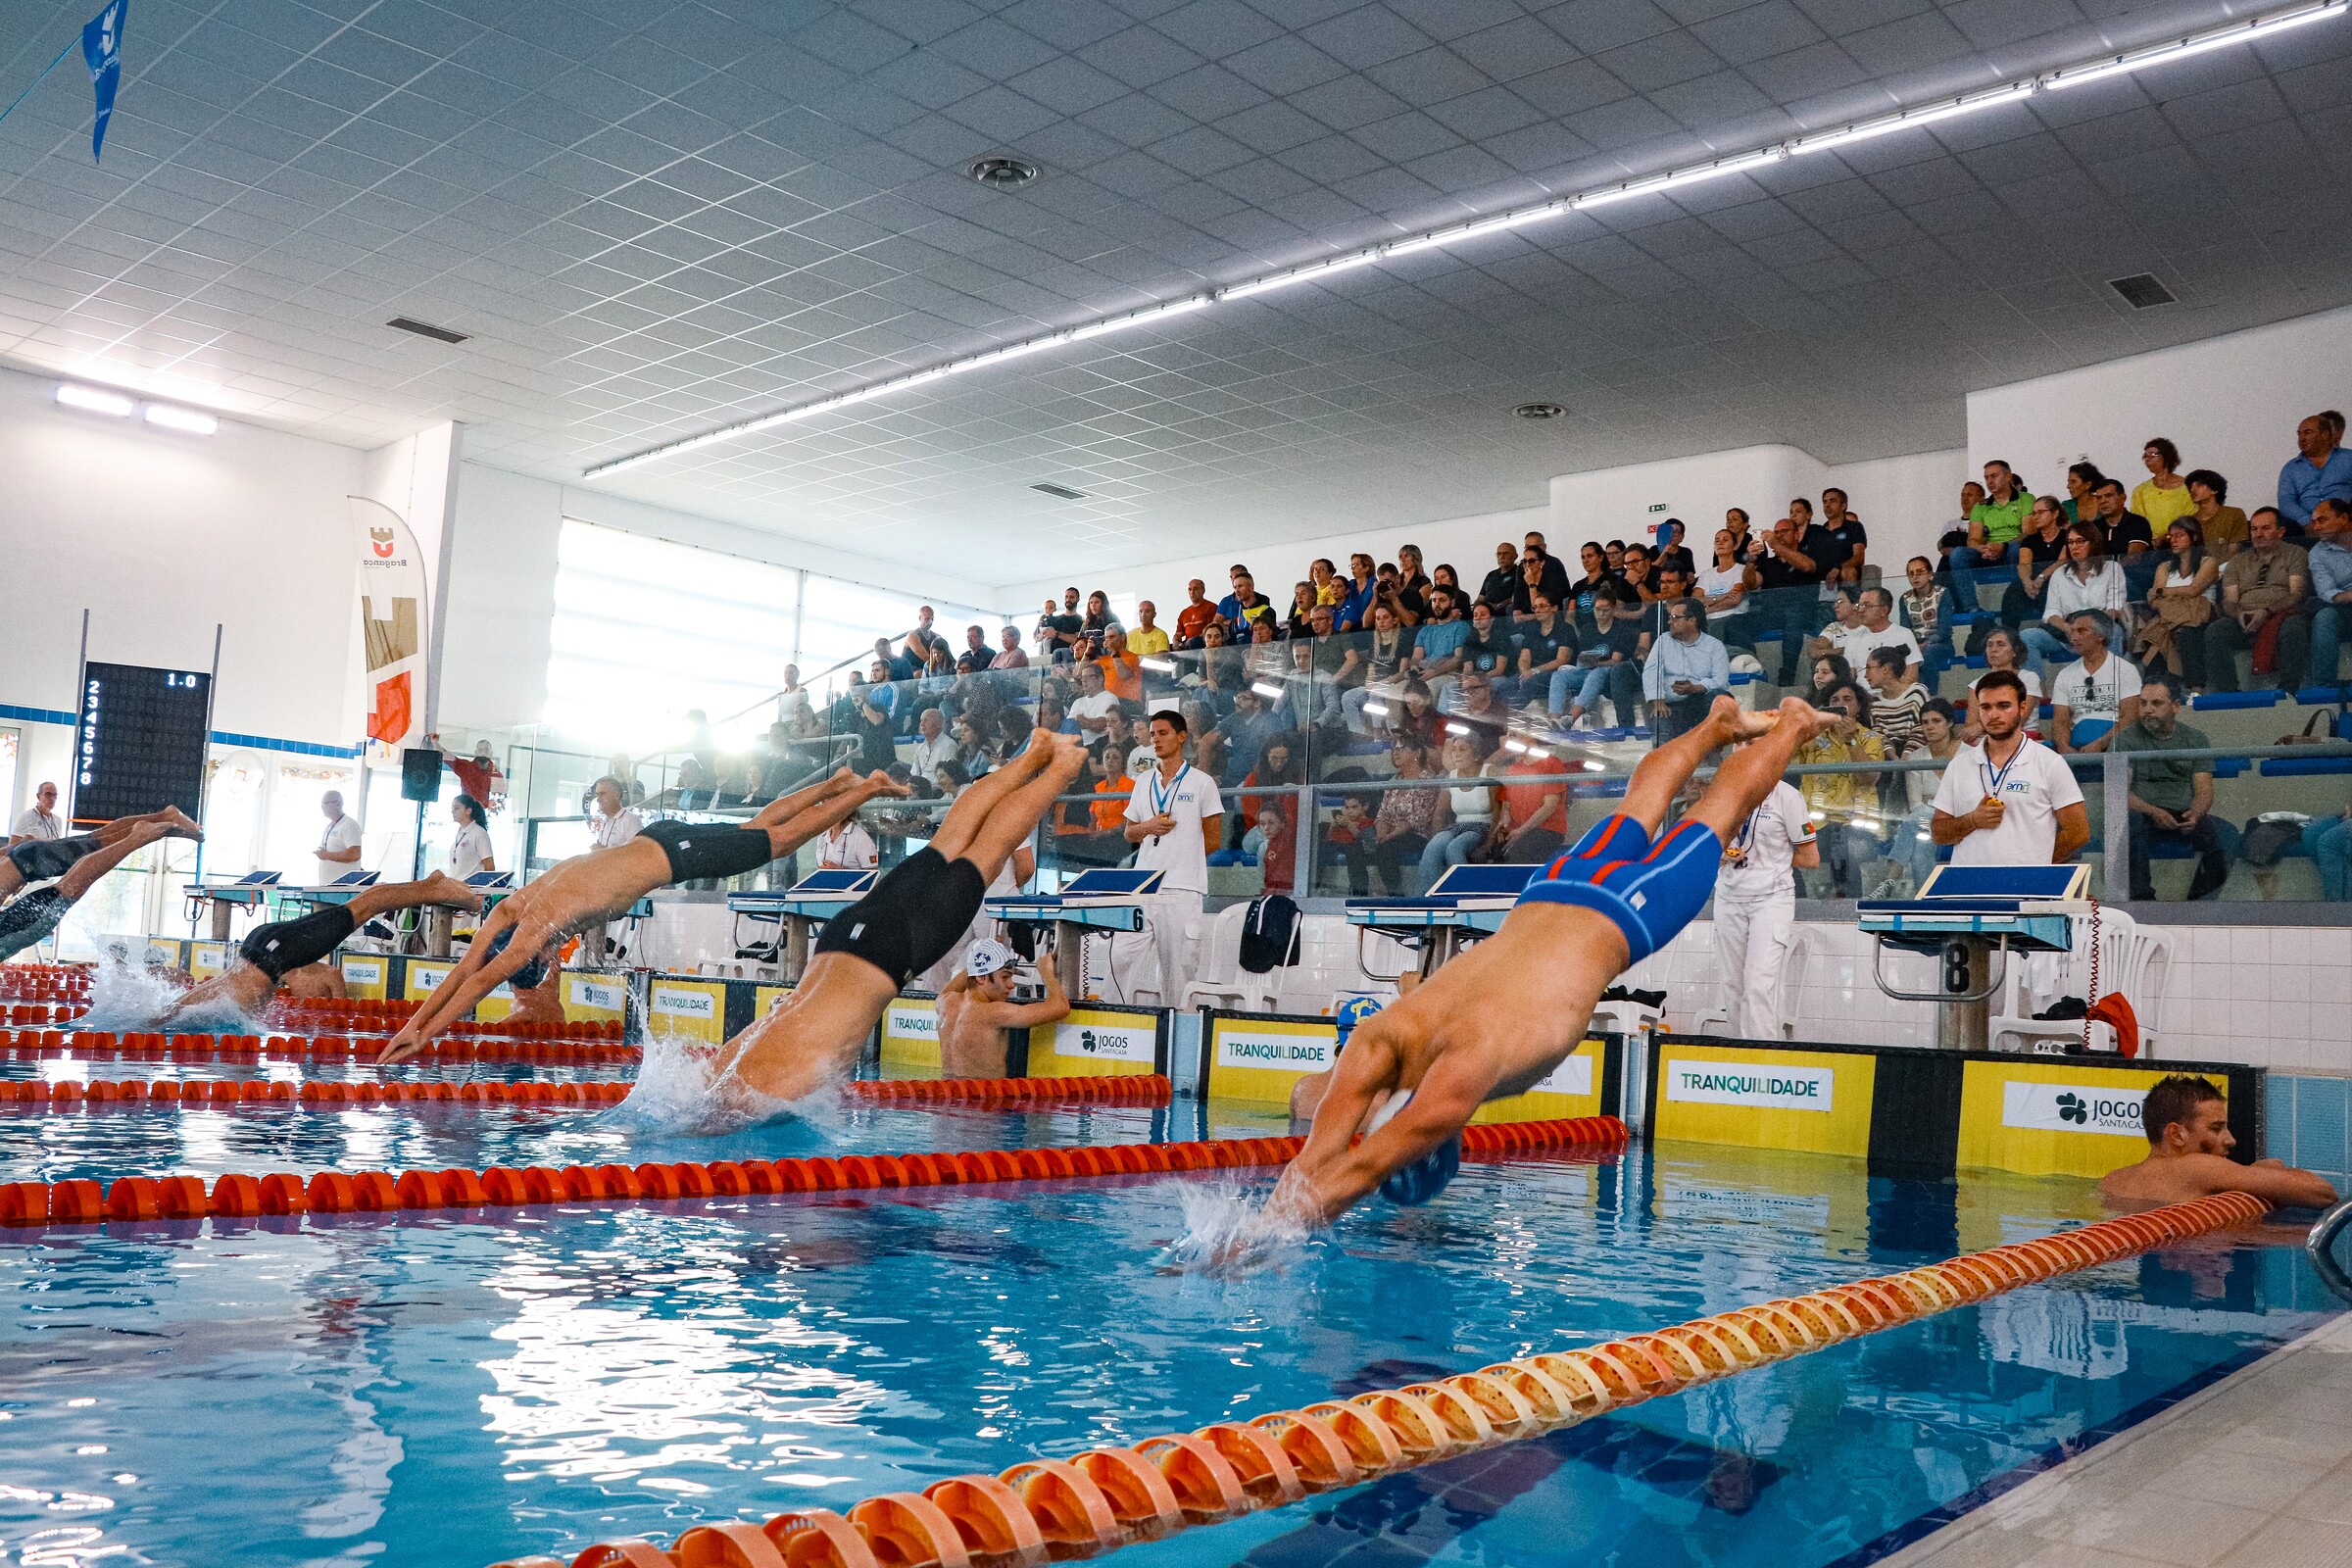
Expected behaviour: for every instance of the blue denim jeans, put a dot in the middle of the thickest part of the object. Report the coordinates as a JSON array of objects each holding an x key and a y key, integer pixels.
[
  {"x": 1968, "y": 567},
  {"x": 2328, "y": 840},
  {"x": 1451, "y": 846}
]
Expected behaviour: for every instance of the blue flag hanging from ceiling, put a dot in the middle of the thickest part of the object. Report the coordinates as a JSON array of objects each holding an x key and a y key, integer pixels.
[{"x": 102, "y": 47}]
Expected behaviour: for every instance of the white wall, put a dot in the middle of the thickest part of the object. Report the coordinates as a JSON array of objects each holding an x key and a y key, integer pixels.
[
  {"x": 163, "y": 535},
  {"x": 2229, "y": 402}
]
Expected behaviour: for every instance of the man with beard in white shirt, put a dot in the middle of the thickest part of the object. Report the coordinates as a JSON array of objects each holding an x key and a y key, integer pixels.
[
  {"x": 2009, "y": 800},
  {"x": 1755, "y": 907}
]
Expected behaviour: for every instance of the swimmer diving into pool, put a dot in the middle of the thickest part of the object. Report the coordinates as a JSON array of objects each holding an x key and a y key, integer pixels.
[
  {"x": 917, "y": 913},
  {"x": 76, "y": 864},
  {"x": 515, "y": 941},
  {"x": 283, "y": 950},
  {"x": 1496, "y": 1021}
]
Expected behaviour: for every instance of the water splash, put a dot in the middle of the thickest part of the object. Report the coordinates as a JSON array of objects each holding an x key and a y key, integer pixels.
[
  {"x": 680, "y": 1090},
  {"x": 1232, "y": 1233},
  {"x": 127, "y": 995}
]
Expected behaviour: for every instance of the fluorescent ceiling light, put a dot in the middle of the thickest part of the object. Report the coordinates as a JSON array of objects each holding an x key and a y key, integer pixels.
[
  {"x": 1869, "y": 129},
  {"x": 1299, "y": 275},
  {"x": 2196, "y": 44},
  {"x": 1485, "y": 225},
  {"x": 1157, "y": 312},
  {"x": 1679, "y": 178},
  {"x": 94, "y": 400},
  {"x": 191, "y": 420}
]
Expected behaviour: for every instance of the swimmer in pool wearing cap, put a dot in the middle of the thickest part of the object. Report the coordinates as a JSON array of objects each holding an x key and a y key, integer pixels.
[
  {"x": 604, "y": 884},
  {"x": 976, "y": 1007},
  {"x": 1496, "y": 1021}
]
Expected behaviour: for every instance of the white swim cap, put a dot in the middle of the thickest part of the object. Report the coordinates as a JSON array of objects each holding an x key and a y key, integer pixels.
[{"x": 985, "y": 957}]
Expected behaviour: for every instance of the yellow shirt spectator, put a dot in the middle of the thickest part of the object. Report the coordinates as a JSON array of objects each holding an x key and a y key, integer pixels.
[
  {"x": 2161, "y": 506},
  {"x": 1147, "y": 641}
]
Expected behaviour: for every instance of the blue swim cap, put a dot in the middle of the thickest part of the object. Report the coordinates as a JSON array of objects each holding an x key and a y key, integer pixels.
[
  {"x": 1354, "y": 1011},
  {"x": 1425, "y": 1178}
]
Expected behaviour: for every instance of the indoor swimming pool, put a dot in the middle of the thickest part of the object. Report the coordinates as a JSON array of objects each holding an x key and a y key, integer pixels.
[{"x": 405, "y": 1389}]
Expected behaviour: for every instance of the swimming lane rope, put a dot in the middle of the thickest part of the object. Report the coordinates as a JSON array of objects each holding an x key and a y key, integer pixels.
[
  {"x": 1107, "y": 1498},
  {"x": 1123, "y": 1089}
]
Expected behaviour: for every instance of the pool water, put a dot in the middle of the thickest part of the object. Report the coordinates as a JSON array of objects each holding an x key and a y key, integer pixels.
[{"x": 401, "y": 1392}]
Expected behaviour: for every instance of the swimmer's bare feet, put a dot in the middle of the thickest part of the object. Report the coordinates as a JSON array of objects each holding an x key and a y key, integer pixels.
[
  {"x": 442, "y": 888},
  {"x": 882, "y": 783}
]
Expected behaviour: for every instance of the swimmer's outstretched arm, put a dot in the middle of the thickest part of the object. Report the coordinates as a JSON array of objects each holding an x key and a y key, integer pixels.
[{"x": 476, "y": 976}]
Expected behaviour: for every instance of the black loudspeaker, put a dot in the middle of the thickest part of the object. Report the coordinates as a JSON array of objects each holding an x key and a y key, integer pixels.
[{"x": 421, "y": 773}]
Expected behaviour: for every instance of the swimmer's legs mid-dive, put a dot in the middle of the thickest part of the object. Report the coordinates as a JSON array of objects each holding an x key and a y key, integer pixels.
[
  {"x": 49, "y": 860},
  {"x": 595, "y": 887},
  {"x": 1493, "y": 1022},
  {"x": 915, "y": 914},
  {"x": 270, "y": 951},
  {"x": 31, "y": 916}
]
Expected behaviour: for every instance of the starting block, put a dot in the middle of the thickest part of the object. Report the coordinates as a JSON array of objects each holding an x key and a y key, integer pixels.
[
  {"x": 1466, "y": 902},
  {"x": 809, "y": 902},
  {"x": 1967, "y": 913},
  {"x": 247, "y": 892},
  {"x": 1108, "y": 899}
]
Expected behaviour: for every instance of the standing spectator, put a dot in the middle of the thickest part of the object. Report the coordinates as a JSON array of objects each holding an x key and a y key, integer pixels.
[
  {"x": 1671, "y": 551},
  {"x": 1551, "y": 575},
  {"x": 613, "y": 820},
  {"x": 1150, "y": 639},
  {"x": 1465, "y": 818},
  {"x": 2082, "y": 479},
  {"x": 1245, "y": 606},
  {"x": 1403, "y": 826},
  {"x": 1009, "y": 653},
  {"x": 1608, "y": 664},
  {"x": 2096, "y": 693},
  {"x": 1896, "y": 698},
  {"x": 1735, "y": 521},
  {"x": 1927, "y": 616},
  {"x": 1411, "y": 579},
  {"x": 1098, "y": 620},
  {"x": 932, "y": 745},
  {"x": 1993, "y": 525},
  {"x": 1363, "y": 586},
  {"x": 1849, "y": 541},
  {"x": 2321, "y": 470},
  {"x": 2125, "y": 536},
  {"x": 1845, "y": 805},
  {"x": 1937, "y": 740},
  {"x": 793, "y": 698},
  {"x": 1755, "y": 909},
  {"x": 1058, "y": 628},
  {"x": 2222, "y": 528},
  {"x": 2330, "y": 566},
  {"x": 39, "y": 821},
  {"x": 2171, "y": 800},
  {"x": 1686, "y": 671},
  {"x": 2083, "y": 582},
  {"x": 1196, "y": 614},
  {"x": 339, "y": 844},
  {"x": 1581, "y": 592},
  {"x": 1788, "y": 563},
  {"x": 2163, "y": 495},
  {"x": 1722, "y": 588},
  {"x": 1276, "y": 846},
  {"x": 1501, "y": 586},
  {"x": 846, "y": 845},
  {"x": 1534, "y": 825},
  {"x": 871, "y": 724},
  {"x": 2179, "y": 603},
  {"x": 1409, "y": 605},
  {"x": 2263, "y": 589},
  {"x": 923, "y": 643}
]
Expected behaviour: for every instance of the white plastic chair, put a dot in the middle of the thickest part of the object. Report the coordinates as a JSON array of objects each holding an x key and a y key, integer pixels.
[
  {"x": 1148, "y": 990},
  {"x": 1795, "y": 970},
  {"x": 2132, "y": 959},
  {"x": 1219, "y": 977}
]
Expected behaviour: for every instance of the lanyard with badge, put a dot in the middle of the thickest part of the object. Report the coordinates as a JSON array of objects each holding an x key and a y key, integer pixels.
[
  {"x": 1735, "y": 854},
  {"x": 1993, "y": 780},
  {"x": 1168, "y": 795}
]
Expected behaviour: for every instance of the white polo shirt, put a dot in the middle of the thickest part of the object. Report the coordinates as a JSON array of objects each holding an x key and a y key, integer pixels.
[
  {"x": 2093, "y": 696},
  {"x": 469, "y": 851},
  {"x": 343, "y": 833},
  {"x": 616, "y": 829},
  {"x": 1191, "y": 799},
  {"x": 34, "y": 823},
  {"x": 849, "y": 846},
  {"x": 1757, "y": 864},
  {"x": 2035, "y": 788},
  {"x": 1857, "y": 641}
]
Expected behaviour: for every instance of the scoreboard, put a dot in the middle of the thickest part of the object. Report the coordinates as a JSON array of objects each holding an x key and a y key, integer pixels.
[{"x": 139, "y": 741}]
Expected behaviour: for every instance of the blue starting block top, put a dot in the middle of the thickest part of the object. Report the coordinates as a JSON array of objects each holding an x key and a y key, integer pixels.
[
  {"x": 819, "y": 895},
  {"x": 1106, "y": 899},
  {"x": 250, "y": 889},
  {"x": 2022, "y": 907},
  {"x": 490, "y": 881},
  {"x": 342, "y": 890},
  {"x": 1473, "y": 898}
]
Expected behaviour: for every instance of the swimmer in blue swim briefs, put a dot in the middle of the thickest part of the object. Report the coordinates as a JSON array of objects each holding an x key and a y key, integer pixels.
[{"x": 1496, "y": 1021}]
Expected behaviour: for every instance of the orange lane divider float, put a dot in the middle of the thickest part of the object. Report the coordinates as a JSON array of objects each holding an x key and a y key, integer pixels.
[
  {"x": 30, "y": 1044},
  {"x": 1109, "y": 1497},
  {"x": 316, "y": 1092},
  {"x": 130, "y": 1198},
  {"x": 1126, "y": 1089}
]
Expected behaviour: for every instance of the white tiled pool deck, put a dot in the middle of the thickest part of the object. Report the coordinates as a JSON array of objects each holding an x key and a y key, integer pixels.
[{"x": 2253, "y": 1472}]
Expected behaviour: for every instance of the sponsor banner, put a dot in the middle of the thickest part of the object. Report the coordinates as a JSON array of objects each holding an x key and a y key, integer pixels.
[
  {"x": 363, "y": 977},
  {"x": 694, "y": 1008},
  {"x": 2069, "y": 1118},
  {"x": 393, "y": 622},
  {"x": 207, "y": 959},
  {"x": 589, "y": 997},
  {"x": 911, "y": 1037},
  {"x": 1095, "y": 1042},
  {"x": 1259, "y": 1059},
  {"x": 1568, "y": 1090},
  {"x": 426, "y": 978},
  {"x": 1816, "y": 1102},
  {"x": 163, "y": 953},
  {"x": 1303, "y": 1051},
  {"x": 1752, "y": 1083},
  {"x": 768, "y": 999}
]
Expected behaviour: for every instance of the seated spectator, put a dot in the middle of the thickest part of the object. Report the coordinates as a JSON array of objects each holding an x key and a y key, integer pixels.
[
  {"x": 1936, "y": 739},
  {"x": 1302, "y": 605},
  {"x": 1672, "y": 552},
  {"x": 1384, "y": 653},
  {"x": 949, "y": 779},
  {"x": 1723, "y": 587},
  {"x": 1788, "y": 562},
  {"x": 1547, "y": 644},
  {"x": 977, "y": 655},
  {"x": 1640, "y": 574},
  {"x": 1409, "y": 604},
  {"x": 1266, "y": 661},
  {"x": 1091, "y": 711},
  {"x": 1122, "y": 671},
  {"x": 2171, "y": 802},
  {"x": 1099, "y": 619},
  {"x": 2222, "y": 528},
  {"x": 2164, "y": 494},
  {"x": 2331, "y": 566},
  {"x": 1686, "y": 671},
  {"x": 1196, "y": 614},
  {"x": 1437, "y": 643},
  {"x": 1488, "y": 649},
  {"x": 1220, "y": 670},
  {"x": 2002, "y": 652},
  {"x": 2039, "y": 552},
  {"x": 2084, "y": 582},
  {"x": 1993, "y": 527},
  {"x": 1465, "y": 814},
  {"x": 973, "y": 752},
  {"x": 1010, "y": 653},
  {"x": 1246, "y": 731},
  {"x": 1553, "y": 573},
  {"x": 1533, "y": 826},
  {"x": 1054, "y": 713},
  {"x": 2263, "y": 587},
  {"x": 1954, "y": 536},
  {"x": 1583, "y": 591},
  {"x": 2321, "y": 470},
  {"x": 932, "y": 746},
  {"x": 1613, "y": 553},
  {"x": 2096, "y": 693},
  {"x": 1927, "y": 615},
  {"x": 1446, "y": 577},
  {"x": 1735, "y": 523},
  {"x": 1674, "y": 587},
  {"x": 1896, "y": 698},
  {"x": 932, "y": 689},
  {"x": 1079, "y": 842},
  {"x": 2125, "y": 537},
  {"x": 1846, "y": 619},
  {"x": 1830, "y": 671},
  {"x": 1609, "y": 663},
  {"x": 1845, "y": 805},
  {"x": 1348, "y": 843},
  {"x": 2328, "y": 840},
  {"x": 898, "y": 667},
  {"x": 1150, "y": 639},
  {"x": 1404, "y": 825},
  {"x": 2082, "y": 480},
  {"x": 1415, "y": 721},
  {"x": 2181, "y": 599},
  {"x": 1875, "y": 628},
  {"x": 1275, "y": 844},
  {"x": 1013, "y": 726},
  {"x": 1500, "y": 591},
  {"x": 1323, "y": 584},
  {"x": 1475, "y": 705}
]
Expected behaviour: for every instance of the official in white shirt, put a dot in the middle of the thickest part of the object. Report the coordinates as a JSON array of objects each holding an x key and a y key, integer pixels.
[
  {"x": 39, "y": 821},
  {"x": 2009, "y": 800},
  {"x": 1166, "y": 820},
  {"x": 469, "y": 851},
  {"x": 1755, "y": 907},
  {"x": 339, "y": 845},
  {"x": 846, "y": 847},
  {"x": 612, "y": 822}
]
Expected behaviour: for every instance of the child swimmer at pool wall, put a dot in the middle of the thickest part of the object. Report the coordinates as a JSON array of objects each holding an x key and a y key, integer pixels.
[
  {"x": 2187, "y": 1123},
  {"x": 1493, "y": 1022}
]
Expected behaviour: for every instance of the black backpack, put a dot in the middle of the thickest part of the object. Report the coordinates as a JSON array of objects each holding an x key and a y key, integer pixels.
[{"x": 1270, "y": 934}]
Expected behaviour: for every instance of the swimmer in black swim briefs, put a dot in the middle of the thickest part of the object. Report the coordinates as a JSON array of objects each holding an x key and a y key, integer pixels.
[
  {"x": 49, "y": 860},
  {"x": 273, "y": 953},
  {"x": 1496, "y": 1021},
  {"x": 603, "y": 884},
  {"x": 31, "y": 917},
  {"x": 913, "y": 918}
]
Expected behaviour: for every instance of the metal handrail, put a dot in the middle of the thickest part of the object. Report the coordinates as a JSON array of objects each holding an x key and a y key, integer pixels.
[{"x": 2321, "y": 1247}]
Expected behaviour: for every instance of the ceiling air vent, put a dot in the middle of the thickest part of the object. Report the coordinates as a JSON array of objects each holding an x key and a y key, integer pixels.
[
  {"x": 1002, "y": 173},
  {"x": 1541, "y": 410},
  {"x": 439, "y": 334},
  {"x": 1060, "y": 492},
  {"x": 2142, "y": 290}
]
